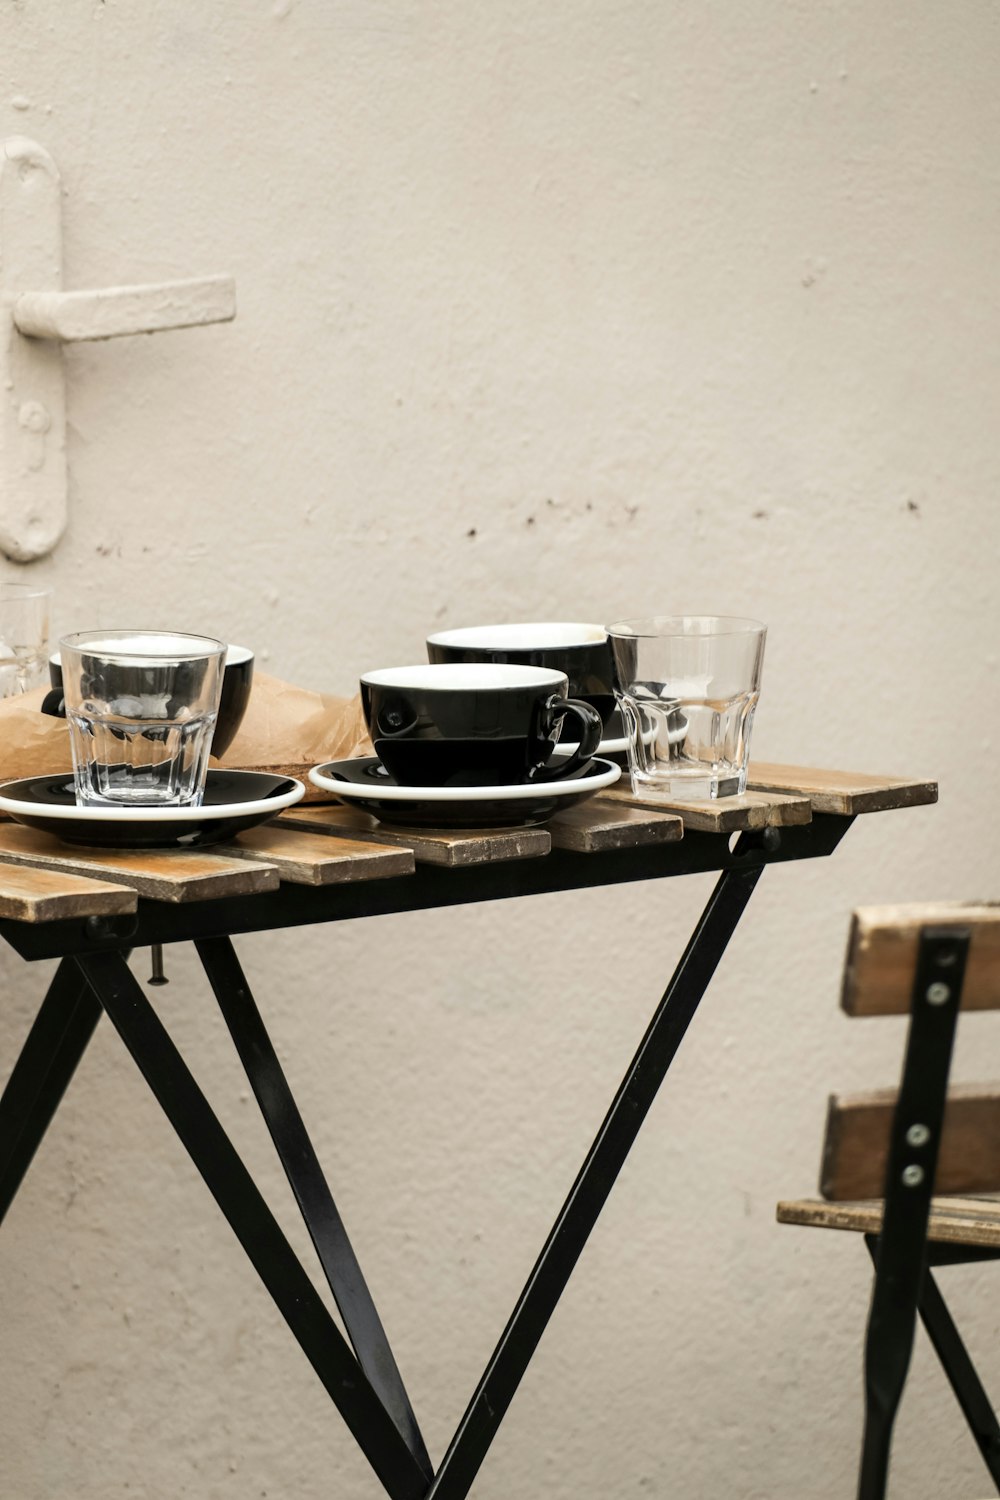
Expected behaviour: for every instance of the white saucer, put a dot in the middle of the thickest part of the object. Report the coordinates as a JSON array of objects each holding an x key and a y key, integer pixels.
[{"x": 365, "y": 782}]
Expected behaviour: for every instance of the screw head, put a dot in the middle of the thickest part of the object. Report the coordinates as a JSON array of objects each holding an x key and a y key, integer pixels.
[
  {"x": 913, "y": 1175},
  {"x": 917, "y": 1135},
  {"x": 938, "y": 993}
]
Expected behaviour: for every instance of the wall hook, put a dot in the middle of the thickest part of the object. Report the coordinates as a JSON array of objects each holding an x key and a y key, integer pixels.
[{"x": 36, "y": 318}]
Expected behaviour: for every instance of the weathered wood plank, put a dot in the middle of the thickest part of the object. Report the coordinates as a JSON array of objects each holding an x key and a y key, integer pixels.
[
  {"x": 723, "y": 814},
  {"x": 597, "y": 825},
  {"x": 960, "y": 1221},
  {"x": 29, "y": 895},
  {"x": 856, "y": 1148},
  {"x": 882, "y": 955},
  {"x": 844, "y": 792},
  {"x": 313, "y": 859},
  {"x": 430, "y": 846},
  {"x": 160, "y": 875}
]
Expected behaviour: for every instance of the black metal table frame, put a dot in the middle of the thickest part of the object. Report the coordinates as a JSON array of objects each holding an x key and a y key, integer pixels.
[{"x": 93, "y": 977}]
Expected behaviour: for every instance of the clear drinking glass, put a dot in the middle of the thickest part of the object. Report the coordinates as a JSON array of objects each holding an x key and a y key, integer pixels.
[
  {"x": 687, "y": 686},
  {"x": 24, "y": 637},
  {"x": 141, "y": 708}
]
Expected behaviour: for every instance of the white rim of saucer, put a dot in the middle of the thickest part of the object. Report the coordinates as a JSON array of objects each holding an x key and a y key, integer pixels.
[
  {"x": 150, "y": 814},
  {"x": 606, "y": 747},
  {"x": 393, "y": 792}
]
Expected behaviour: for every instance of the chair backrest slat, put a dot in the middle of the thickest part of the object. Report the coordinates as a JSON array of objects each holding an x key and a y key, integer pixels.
[
  {"x": 882, "y": 956},
  {"x": 856, "y": 1148}
]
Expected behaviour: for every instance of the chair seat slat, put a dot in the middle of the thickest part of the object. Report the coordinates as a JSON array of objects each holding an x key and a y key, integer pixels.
[{"x": 957, "y": 1221}]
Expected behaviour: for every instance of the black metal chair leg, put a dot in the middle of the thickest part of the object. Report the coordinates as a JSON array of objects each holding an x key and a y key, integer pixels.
[
  {"x": 962, "y": 1376},
  {"x": 258, "y": 1232},
  {"x": 900, "y": 1251},
  {"x": 305, "y": 1176},
  {"x": 604, "y": 1161},
  {"x": 54, "y": 1046}
]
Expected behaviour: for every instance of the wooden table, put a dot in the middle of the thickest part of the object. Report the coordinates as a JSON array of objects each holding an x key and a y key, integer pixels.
[{"x": 319, "y": 864}]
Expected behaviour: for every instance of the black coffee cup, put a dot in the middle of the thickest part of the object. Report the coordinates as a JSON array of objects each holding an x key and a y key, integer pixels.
[
  {"x": 474, "y": 724},
  {"x": 582, "y": 652},
  {"x": 237, "y": 680}
]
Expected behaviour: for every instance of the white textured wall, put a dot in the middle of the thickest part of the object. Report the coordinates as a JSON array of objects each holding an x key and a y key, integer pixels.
[{"x": 568, "y": 310}]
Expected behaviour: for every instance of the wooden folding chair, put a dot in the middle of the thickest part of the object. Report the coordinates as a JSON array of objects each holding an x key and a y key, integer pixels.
[{"x": 904, "y": 1145}]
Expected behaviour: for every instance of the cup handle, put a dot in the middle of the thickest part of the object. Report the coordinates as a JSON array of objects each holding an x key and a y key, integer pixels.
[
  {"x": 53, "y": 704},
  {"x": 591, "y": 730}
]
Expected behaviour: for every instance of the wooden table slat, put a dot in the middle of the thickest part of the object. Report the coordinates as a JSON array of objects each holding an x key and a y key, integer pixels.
[
  {"x": 597, "y": 824},
  {"x": 844, "y": 792},
  {"x": 304, "y": 858},
  {"x": 30, "y": 895},
  {"x": 161, "y": 875},
  {"x": 724, "y": 814},
  {"x": 446, "y": 846}
]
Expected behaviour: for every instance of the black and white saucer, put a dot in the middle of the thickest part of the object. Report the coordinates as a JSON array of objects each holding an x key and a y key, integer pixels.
[
  {"x": 234, "y": 801},
  {"x": 614, "y": 745},
  {"x": 364, "y": 782}
]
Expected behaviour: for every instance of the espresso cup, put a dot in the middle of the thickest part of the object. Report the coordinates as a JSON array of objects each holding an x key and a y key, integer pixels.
[
  {"x": 237, "y": 680},
  {"x": 474, "y": 724},
  {"x": 582, "y": 652}
]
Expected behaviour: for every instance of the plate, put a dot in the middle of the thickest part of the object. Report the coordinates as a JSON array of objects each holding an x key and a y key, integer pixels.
[
  {"x": 614, "y": 745},
  {"x": 365, "y": 783},
  {"x": 234, "y": 800}
]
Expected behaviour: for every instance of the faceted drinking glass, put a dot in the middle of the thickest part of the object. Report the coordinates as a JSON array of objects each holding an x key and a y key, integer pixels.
[
  {"x": 141, "y": 707},
  {"x": 24, "y": 637},
  {"x": 688, "y": 686}
]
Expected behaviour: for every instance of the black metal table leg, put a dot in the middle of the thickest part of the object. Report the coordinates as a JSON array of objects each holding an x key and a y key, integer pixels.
[
  {"x": 253, "y": 1223},
  {"x": 305, "y": 1175},
  {"x": 57, "y": 1040},
  {"x": 962, "y": 1376},
  {"x": 592, "y": 1186}
]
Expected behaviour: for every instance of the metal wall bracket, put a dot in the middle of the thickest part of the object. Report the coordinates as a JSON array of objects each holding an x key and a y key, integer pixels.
[{"x": 36, "y": 317}]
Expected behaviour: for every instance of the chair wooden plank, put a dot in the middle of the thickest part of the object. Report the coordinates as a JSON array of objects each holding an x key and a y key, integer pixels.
[
  {"x": 856, "y": 1148},
  {"x": 882, "y": 955},
  {"x": 723, "y": 814},
  {"x": 312, "y": 859},
  {"x": 430, "y": 846},
  {"x": 844, "y": 792},
  {"x": 958, "y": 1221},
  {"x": 597, "y": 825},
  {"x": 160, "y": 875},
  {"x": 29, "y": 895}
]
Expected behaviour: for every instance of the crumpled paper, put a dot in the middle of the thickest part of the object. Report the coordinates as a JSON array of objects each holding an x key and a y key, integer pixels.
[{"x": 286, "y": 729}]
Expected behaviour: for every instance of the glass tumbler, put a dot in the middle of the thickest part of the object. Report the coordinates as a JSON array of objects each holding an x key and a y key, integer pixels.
[
  {"x": 141, "y": 707},
  {"x": 24, "y": 637},
  {"x": 688, "y": 686}
]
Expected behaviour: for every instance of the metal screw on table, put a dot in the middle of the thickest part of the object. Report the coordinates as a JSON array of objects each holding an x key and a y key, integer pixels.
[
  {"x": 917, "y": 1135},
  {"x": 156, "y": 957},
  {"x": 913, "y": 1176},
  {"x": 938, "y": 993}
]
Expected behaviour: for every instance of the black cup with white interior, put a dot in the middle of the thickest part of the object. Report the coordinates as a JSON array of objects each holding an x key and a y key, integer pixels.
[
  {"x": 237, "y": 680},
  {"x": 474, "y": 724},
  {"x": 582, "y": 652}
]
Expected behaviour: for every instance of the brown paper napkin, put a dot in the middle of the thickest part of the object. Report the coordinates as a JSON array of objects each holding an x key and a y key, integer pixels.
[{"x": 287, "y": 729}]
